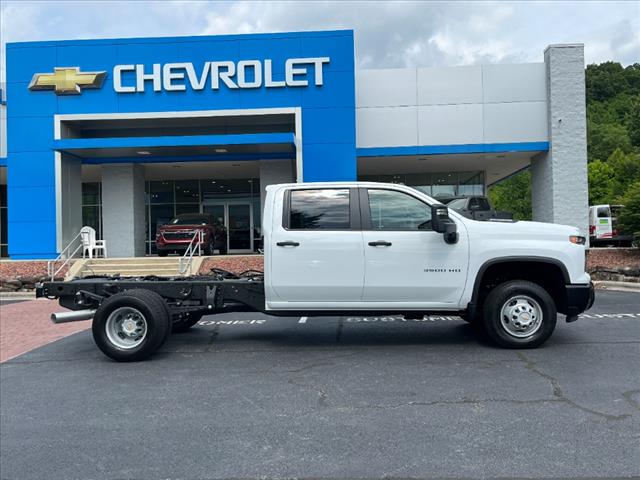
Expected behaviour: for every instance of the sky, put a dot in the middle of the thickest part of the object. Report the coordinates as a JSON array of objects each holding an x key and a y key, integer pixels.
[{"x": 387, "y": 34}]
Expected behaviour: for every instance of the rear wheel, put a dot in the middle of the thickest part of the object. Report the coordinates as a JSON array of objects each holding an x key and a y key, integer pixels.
[
  {"x": 185, "y": 323},
  {"x": 130, "y": 326},
  {"x": 162, "y": 253},
  {"x": 519, "y": 314}
]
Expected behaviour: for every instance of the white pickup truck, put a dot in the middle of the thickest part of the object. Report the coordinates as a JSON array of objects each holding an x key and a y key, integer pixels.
[{"x": 356, "y": 248}]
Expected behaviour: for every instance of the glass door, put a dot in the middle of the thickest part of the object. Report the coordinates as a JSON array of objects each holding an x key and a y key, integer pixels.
[
  {"x": 238, "y": 219},
  {"x": 239, "y": 227}
]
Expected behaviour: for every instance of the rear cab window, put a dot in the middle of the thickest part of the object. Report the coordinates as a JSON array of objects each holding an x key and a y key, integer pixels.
[{"x": 319, "y": 209}]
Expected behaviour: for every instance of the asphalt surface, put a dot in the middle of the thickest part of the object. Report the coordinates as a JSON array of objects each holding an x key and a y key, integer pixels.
[{"x": 332, "y": 398}]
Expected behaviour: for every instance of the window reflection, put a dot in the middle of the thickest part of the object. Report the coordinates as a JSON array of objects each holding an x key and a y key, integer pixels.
[
  {"x": 325, "y": 209},
  {"x": 398, "y": 211},
  {"x": 436, "y": 184}
]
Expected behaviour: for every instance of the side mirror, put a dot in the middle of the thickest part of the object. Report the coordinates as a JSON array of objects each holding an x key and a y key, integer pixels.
[{"x": 441, "y": 223}]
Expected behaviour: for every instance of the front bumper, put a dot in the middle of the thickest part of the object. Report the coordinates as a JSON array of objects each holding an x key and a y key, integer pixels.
[{"x": 579, "y": 299}]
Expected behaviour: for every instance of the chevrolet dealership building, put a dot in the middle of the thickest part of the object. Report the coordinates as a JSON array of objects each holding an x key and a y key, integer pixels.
[{"x": 123, "y": 134}]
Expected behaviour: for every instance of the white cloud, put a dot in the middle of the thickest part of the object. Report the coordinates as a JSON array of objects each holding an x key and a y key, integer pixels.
[{"x": 388, "y": 34}]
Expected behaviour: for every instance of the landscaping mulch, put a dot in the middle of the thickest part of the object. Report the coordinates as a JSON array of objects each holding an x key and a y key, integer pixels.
[
  {"x": 232, "y": 263},
  {"x": 613, "y": 258},
  {"x": 23, "y": 275}
]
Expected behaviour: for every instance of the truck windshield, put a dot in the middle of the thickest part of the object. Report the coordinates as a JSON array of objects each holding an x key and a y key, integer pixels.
[{"x": 457, "y": 204}]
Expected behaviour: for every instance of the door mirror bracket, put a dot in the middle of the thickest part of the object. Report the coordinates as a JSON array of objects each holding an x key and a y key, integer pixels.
[{"x": 442, "y": 223}]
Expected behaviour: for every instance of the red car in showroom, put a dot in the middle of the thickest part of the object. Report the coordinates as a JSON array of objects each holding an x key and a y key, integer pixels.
[{"x": 175, "y": 236}]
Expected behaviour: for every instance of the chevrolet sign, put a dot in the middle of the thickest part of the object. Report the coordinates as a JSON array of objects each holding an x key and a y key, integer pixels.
[
  {"x": 244, "y": 74},
  {"x": 174, "y": 77},
  {"x": 67, "y": 80}
]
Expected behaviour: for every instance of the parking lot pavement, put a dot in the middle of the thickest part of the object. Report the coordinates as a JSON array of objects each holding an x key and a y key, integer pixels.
[{"x": 252, "y": 396}]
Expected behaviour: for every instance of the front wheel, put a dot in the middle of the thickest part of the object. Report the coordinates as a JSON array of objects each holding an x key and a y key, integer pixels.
[
  {"x": 519, "y": 314},
  {"x": 131, "y": 325}
]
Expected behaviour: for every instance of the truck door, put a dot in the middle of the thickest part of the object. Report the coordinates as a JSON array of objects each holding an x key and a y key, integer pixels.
[
  {"x": 405, "y": 261},
  {"x": 316, "y": 247}
]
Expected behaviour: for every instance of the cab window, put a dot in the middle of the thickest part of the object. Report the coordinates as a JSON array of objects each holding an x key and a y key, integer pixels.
[
  {"x": 392, "y": 210},
  {"x": 321, "y": 209}
]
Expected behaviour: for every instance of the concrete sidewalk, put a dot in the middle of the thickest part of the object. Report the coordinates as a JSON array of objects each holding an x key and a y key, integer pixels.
[{"x": 27, "y": 325}]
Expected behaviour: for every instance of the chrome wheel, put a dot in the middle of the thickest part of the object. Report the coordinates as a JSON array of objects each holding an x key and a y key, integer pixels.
[
  {"x": 521, "y": 316},
  {"x": 126, "y": 327}
]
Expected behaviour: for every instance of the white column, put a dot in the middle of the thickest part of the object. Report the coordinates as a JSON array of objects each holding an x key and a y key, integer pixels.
[
  {"x": 123, "y": 212},
  {"x": 559, "y": 177},
  {"x": 68, "y": 199},
  {"x": 273, "y": 172}
]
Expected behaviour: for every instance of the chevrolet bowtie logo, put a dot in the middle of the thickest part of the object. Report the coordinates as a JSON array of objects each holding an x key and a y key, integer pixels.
[{"x": 67, "y": 80}]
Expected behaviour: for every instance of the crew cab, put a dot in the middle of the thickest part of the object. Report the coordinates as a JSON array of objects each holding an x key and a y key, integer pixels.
[
  {"x": 177, "y": 235},
  {"x": 357, "y": 248}
]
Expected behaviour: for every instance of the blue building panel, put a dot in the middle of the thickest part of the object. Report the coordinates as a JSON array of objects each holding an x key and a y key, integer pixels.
[
  {"x": 328, "y": 110},
  {"x": 31, "y": 169}
]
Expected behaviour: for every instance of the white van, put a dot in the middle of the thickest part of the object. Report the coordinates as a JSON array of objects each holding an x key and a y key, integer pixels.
[{"x": 603, "y": 226}]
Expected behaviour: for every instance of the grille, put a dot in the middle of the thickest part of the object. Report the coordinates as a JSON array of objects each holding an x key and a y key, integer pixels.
[{"x": 178, "y": 235}]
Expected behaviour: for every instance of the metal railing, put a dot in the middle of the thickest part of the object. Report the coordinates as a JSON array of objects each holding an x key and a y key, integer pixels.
[
  {"x": 52, "y": 271},
  {"x": 186, "y": 261}
]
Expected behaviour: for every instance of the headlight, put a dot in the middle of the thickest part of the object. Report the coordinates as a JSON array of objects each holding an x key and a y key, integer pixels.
[{"x": 577, "y": 239}]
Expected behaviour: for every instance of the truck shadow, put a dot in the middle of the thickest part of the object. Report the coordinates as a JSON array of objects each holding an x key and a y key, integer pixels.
[{"x": 330, "y": 335}]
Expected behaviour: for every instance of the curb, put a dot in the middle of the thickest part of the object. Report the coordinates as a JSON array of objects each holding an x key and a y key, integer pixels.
[
  {"x": 18, "y": 295},
  {"x": 617, "y": 286}
]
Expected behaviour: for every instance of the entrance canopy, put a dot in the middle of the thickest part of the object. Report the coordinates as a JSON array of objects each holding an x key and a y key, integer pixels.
[{"x": 176, "y": 148}]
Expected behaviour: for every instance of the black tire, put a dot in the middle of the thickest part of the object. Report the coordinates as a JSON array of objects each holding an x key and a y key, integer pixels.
[
  {"x": 158, "y": 324},
  {"x": 500, "y": 296},
  {"x": 185, "y": 323},
  {"x": 162, "y": 253}
]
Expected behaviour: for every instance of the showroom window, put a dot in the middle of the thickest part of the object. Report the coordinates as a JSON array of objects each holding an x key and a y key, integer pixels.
[
  {"x": 436, "y": 184},
  {"x": 92, "y": 206},
  {"x": 4, "y": 237},
  {"x": 167, "y": 198}
]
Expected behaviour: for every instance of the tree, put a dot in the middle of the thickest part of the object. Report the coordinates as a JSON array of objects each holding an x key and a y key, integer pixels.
[
  {"x": 626, "y": 170},
  {"x": 601, "y": 177},
  {"x": 604, "y": 81},
  {"x": 629, "y": 218},
  {"x": 604, "y": 138},
  {"x": 633, "y": 121},
  {"x": 513, "y": 194}
]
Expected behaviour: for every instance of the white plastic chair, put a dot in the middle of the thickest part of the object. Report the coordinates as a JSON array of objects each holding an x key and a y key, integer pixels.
[{"x": 90, "y": 244}]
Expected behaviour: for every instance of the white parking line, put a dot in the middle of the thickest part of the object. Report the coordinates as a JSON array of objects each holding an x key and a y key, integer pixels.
[{"x": 400, "y": 319}]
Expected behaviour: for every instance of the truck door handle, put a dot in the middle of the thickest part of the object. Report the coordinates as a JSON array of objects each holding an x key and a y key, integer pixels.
[
  {"x": 380, "y": 243},
  {"x": 288, "y": 244}
]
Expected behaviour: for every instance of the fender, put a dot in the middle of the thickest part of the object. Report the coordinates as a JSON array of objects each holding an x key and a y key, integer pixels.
[{"x": 494, "y": 261}]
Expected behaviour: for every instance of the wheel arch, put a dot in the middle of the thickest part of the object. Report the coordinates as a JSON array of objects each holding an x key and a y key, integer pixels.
[{"x": 549, "y": 273}]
